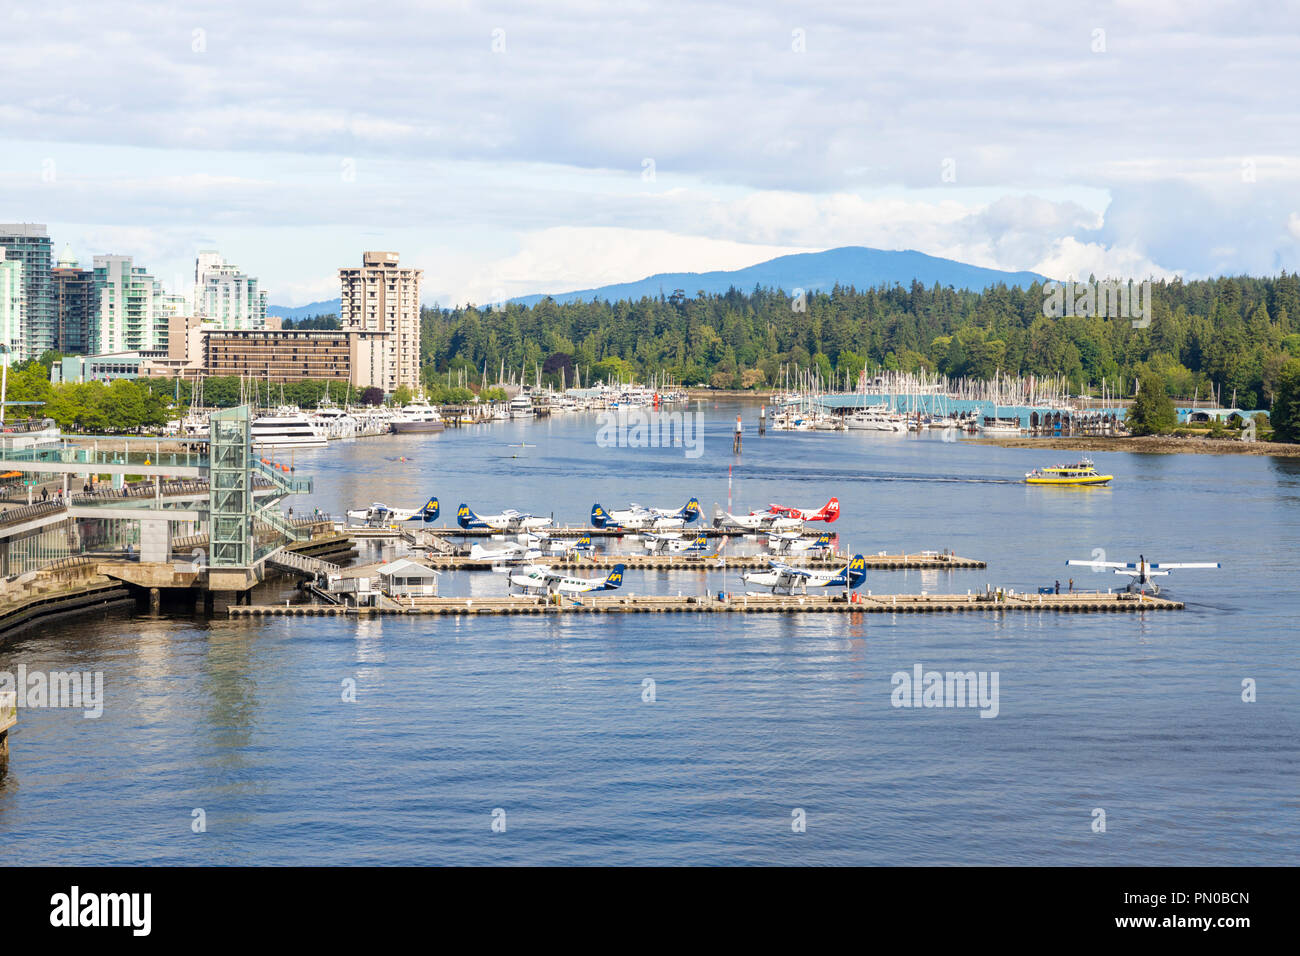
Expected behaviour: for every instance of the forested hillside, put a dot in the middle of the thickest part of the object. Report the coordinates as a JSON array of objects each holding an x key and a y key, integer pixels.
[{"x": 1234, "y": 333}]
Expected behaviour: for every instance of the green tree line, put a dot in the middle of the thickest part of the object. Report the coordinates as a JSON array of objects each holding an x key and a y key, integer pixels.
[{"x": 1233, "y": 334}]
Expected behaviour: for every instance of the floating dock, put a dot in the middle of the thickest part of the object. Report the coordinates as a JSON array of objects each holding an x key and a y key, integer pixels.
[
  {"x": 735, "y": 604},
  {"x": 928, "y": 561}
]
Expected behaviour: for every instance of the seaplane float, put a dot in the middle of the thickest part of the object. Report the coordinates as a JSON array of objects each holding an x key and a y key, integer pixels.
[
  {"x": 781, "y": 578},
  {"x": 1141, "y": 573},
  {"x": 380, "y": 515},
  {"x": 639, "y": 518}
]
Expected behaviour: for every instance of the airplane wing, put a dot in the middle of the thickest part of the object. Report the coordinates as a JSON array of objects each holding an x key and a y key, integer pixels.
[
  {"x": 791, "y": 572},
  {"x": 1187, "y": 564},
  {"x": 1102, "y": 564}
]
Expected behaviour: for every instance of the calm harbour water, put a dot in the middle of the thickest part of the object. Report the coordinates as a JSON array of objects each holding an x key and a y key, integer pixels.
[{"x": 1140, "y": 715}]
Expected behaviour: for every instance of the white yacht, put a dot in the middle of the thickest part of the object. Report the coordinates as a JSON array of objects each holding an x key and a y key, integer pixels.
[
  {"x": 287, "y": 427},
  {"x": 874, "y": 419},
  {"x": 335, "y": 422},
  {"x": 521, "y": 406},
  {"x": 1000, "y": 426},
  {"x": 416, "y": 417}
]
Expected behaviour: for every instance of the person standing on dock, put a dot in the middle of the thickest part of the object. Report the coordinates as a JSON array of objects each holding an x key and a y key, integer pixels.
[
  {"x": 1071, "y": 585},
  {"x": 735, "y": 445}
]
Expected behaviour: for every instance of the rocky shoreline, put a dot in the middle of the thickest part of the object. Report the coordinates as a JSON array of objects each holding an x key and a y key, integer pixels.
[{"x": 1152, "y": 445}]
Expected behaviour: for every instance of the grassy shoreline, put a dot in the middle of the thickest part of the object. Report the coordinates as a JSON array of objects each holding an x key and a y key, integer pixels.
[{"x": 1151, "y": 445}]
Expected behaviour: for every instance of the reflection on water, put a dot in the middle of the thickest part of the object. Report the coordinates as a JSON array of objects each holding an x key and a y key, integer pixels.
[{"x": 751, "y": 715}]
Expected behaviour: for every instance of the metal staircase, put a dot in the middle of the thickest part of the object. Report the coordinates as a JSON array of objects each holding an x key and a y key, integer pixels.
[{"x": 304, "y": 564}]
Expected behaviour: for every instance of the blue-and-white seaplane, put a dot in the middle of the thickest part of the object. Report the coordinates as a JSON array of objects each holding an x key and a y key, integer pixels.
[{"x": 783, "y": 579}]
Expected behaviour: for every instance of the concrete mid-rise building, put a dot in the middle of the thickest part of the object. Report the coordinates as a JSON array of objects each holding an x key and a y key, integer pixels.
[
  {"x": 281, "y": 355},
  {"x": 29, "y": 243},
  {"x": 196, "y": 347},
  {"x": 382, "y": 300},
  {"x": 76, "y": 305},
  {"x": 226, "y": 297}
]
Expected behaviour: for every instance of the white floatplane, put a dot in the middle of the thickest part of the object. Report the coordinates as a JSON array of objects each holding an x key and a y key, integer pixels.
[
  {"x": 638, "y": 517},
  {"x": 379, "y": 514},
  {"x": 539, "y": 579},
  {"x": 784, "y": 579},
  {"x": 508, "y": 520},
  {"x": 676, "y": 543},
  {"x": 1143, "y": 571},
  {"x": 792, "y": 542},
  {"x": 761, "y": 521}
]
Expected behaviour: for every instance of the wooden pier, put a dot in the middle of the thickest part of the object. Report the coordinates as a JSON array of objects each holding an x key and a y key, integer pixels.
[{"x": 734, "y": 604}]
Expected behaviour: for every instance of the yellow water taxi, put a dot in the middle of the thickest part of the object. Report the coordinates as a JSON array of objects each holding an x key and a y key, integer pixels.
[{"x": 1082, "y": 472}]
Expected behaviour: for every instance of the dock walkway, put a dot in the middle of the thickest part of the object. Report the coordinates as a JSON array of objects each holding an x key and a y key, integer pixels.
[{"x": 736, "y": 604}]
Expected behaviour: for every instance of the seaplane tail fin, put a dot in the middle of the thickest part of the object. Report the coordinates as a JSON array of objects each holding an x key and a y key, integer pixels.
[
  {"x": 614, "y": 580},
  {"x": 690, "y": 511},
  {"x": 583, "y": 542},
  {"x": 701, "y": 543},
  {"x": 599, "y": 516},
  {"x": 430, "y": 510},
  {"x": 465, "y": 516},
  {"x": 854, "y": 573},
  {"x": 828, "y": 512},
  {"x": 823, "y": 542}
]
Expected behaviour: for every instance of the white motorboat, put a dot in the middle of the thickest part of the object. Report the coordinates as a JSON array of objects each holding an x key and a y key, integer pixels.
[
  {"x": 336, "y": 422},
  {"x": 287, "y": 427},
  {"x": 521, "y": 406},
  {"x": 1000, "y": 426},
  {"x": 417, "y": 417},
  {"x": 874, "y": 419}
]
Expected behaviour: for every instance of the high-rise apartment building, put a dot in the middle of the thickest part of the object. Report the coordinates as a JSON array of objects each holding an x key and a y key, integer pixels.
[
  {"x": 226, "y": 297},
  {"x": 29, "y": 243},
  {"x": 13, "y": 310},
  {"x": 132, "y": 309},
  {"x": 382, "y": 300},
  {"x": 75, "y": 304}
]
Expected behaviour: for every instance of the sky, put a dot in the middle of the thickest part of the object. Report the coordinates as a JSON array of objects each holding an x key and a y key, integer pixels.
[{"x": 514, "y": 148}]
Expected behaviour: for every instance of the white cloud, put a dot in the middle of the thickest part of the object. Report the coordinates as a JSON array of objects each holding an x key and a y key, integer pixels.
[{"x": 475, "y": 161}]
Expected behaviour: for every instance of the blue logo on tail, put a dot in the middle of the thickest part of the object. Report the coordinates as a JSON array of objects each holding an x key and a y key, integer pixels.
[
  {"x": 690, "y": 511},
  {"x": 430, "y": 510}
]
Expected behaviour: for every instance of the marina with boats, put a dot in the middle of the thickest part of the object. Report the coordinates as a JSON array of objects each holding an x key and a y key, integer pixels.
[{"x": 898, "y": 403}]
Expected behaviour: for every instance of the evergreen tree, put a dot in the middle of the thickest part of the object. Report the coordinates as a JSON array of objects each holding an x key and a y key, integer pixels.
[{"x": 1152, "y": 411}]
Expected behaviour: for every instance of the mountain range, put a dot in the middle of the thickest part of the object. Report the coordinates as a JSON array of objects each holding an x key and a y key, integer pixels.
[{"x": 858, "y": 266}]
